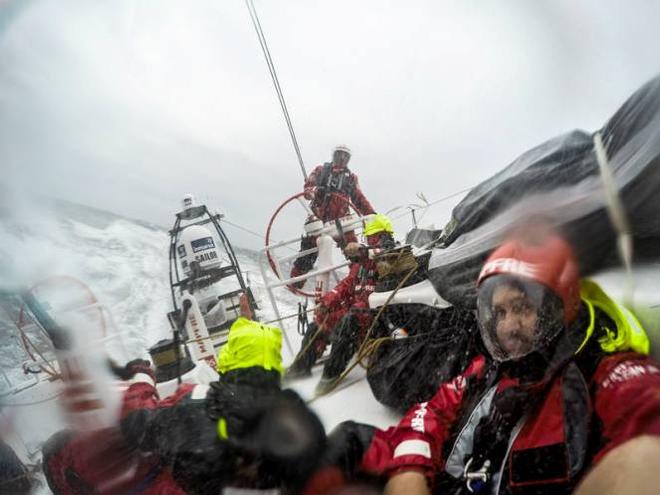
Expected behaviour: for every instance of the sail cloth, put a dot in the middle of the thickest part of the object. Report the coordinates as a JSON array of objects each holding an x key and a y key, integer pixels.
[{"x": 559, "y": 182}]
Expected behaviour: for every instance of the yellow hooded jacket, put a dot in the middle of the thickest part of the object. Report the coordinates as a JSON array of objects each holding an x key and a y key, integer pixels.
[
  {"x": 629, "y": 335},
  {"x": 251, "y": 344}
]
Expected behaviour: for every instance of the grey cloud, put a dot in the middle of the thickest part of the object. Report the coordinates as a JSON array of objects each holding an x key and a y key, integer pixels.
[{"x": 127, "y": 105}]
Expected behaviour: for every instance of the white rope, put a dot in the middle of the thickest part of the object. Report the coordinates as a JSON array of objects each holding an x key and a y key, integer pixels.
[{"x": 617, "y": 215}]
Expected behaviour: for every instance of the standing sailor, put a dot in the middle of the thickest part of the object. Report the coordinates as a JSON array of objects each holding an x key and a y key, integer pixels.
[{"x": 330, "y": 188}]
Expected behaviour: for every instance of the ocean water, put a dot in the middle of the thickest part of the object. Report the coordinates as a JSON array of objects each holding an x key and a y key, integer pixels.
[{"x": 124, "y": 262}]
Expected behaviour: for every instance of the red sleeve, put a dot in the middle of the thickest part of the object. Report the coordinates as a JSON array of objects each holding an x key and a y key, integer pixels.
[
  {"x": 142, "y": 394},
  {"x": 360, "y": 200},
  {"x": 343, "y": 290},
  {"x": 416, "y": 442},
  {"x": 311, "y": 178},
  {"x": 144, "y": 416},
  {"x": 627, "y": 399}
]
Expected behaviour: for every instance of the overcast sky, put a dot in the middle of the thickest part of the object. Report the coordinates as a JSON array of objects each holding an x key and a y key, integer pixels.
[{"x": 127, "y": 105}]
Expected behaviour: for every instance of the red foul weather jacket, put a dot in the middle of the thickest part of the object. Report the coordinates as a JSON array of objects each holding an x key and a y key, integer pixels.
[
  {"x": 352, "y": 292},
  {"x": 103, "y": 462},
  {"x": 333, "y": 187},
  {"x": 622, "y": 402}
]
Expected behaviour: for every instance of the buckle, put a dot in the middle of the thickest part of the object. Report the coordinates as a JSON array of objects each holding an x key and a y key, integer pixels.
[{"x": 481, "y": 476}]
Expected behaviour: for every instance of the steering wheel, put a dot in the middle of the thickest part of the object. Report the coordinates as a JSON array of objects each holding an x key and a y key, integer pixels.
[{"x": 299, "y": 196}]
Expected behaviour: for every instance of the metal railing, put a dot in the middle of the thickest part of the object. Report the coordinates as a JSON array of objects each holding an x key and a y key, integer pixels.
[{"x": 269, "y": 263}]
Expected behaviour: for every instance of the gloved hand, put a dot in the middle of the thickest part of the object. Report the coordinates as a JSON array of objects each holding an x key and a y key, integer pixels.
[
  {"x": 274, "y": 428},
  {"x": 354, "y": 251},
  {"x": 288, "y": 439},
  {"x": 129, "y": 370},
  {"x": 235, "y": 407},
  {"x": 321, "y": 313},
  {"x": 310, "y": 193}
]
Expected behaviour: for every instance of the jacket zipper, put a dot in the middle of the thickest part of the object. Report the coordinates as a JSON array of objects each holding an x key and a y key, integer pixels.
[{"x": 514, "y": 435}]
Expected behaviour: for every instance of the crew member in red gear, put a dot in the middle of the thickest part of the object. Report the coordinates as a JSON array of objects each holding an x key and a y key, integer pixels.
[
  {"x": 103, "y": 461},
  {"x": 241, "y": 430},
  {"x": 330, "y": 188},
  {"x": 343, "y": 314},
  {"x": 565, "y": 387}
]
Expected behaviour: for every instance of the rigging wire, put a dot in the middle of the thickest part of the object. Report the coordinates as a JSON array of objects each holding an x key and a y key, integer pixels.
[
  {"x": 394, "y": 217},
  {"x": 256, "y": 234},
  {"x": 244, "y": 229},
  {"x": 273, "y": 74},
  {"x": 428, "y": 205}
]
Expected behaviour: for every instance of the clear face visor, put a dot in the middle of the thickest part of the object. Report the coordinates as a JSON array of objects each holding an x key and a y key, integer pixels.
[
  {"x": 517, "y": 316},
  {"x": 340, "y": 157}
]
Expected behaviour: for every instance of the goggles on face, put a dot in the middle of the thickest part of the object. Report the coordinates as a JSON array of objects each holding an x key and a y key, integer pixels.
[{"x": 341, "y": 156}]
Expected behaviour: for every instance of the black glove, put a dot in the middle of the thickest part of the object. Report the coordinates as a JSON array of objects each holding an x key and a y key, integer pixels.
[
  {"x": 288, "y": 439},
  {"x": 129, "y": 370},
  {"x": 255, "y": 417},
  {"x": 236, "y": 407},
  {"x": 274, "y": 428}
]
